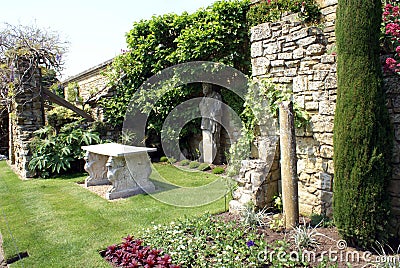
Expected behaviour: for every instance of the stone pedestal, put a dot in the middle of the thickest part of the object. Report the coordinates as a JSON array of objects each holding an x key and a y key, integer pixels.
[
  {"x": 209, "y": 147},
  {"x": 96, "y": 167},
  {"x": 127, "y": 168}
]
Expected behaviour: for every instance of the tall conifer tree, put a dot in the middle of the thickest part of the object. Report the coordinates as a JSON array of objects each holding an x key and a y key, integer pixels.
[{"x": 362, "y": 132}]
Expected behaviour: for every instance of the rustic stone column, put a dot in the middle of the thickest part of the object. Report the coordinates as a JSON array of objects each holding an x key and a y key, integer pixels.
[{"x": 288, "y": 165}]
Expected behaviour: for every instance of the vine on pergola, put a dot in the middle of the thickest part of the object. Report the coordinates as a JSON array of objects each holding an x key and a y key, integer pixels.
[{"x": 23, "y": 50}]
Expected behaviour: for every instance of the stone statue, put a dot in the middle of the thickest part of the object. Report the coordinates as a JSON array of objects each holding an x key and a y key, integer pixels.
[{"x": 211, "y": 112}]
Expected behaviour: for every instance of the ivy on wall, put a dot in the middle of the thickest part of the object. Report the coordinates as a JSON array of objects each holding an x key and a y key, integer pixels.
[{"x": 272, "y": 10}]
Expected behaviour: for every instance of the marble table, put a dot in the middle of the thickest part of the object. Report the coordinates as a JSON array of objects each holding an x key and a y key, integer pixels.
[{"x": 127, "y": 168}]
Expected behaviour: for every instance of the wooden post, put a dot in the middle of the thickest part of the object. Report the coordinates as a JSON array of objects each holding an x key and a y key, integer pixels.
[{"x": 290, "y": 194}]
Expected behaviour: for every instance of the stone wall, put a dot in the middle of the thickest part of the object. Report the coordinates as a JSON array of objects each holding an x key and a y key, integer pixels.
[
  {"x": 92, "y": 85},
  {"x": 4, "y": 133},
  {"x": 25, "y": 118},
  {"x": 303, "y": 58},
  {"x": 392, "y": 86}
]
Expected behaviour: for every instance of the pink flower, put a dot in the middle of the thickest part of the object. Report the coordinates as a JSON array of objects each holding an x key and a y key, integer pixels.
[
  {"x": 390, "y": 61},
  {"x": 388, "y": 7},
  {"x": 398, "y": 50},
  {"x": 386, "y": 13},
  {"x": 395, "y": 9}
]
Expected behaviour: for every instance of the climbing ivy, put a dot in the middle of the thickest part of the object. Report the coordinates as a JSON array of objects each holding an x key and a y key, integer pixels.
[
  {"x": 272, "y": 10},
  {"x": 262, "y": 99}
]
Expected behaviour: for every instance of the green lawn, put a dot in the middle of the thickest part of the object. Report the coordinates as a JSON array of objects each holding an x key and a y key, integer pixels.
[{"x": 61, "y": 224}]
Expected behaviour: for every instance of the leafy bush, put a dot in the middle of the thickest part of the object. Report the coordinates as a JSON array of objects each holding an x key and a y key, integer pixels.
[
  {"x": 54, "y": 152},
  {"x": 218, "y": 170},
  {"x": 217, "y": 33},
  {"x": 60, "y": 116},
  {"x": 204, "y": 167},
  {"x": 185, "y": 162},
  {"x": 362, "y": 131},
  {"x": 172, "y": 160},
  {"x": 269, "y": 11},
  {"x": 131, "y": 253},
  {"x": 194, "y": 164},
  {"x": 163, "y": 159}
]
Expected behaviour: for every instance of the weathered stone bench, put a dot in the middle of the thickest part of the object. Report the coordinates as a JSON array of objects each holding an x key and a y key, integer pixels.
[{"x": 127, "y": 168}]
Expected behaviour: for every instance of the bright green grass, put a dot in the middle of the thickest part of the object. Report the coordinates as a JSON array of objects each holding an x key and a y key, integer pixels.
[{"x": 61, "y": 224}]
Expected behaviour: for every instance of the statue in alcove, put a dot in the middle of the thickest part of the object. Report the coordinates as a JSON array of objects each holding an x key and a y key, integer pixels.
[{"x": 211, "y": 113}]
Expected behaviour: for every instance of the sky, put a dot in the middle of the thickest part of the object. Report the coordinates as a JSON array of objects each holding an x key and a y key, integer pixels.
[{"x": 95, "y": 29}]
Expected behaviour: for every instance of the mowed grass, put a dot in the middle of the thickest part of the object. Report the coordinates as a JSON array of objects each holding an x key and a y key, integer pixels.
[{"x": 61, "y": 224}]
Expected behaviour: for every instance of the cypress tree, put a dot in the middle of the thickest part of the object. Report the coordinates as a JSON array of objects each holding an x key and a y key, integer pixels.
[{"x": 362, "y": 132}]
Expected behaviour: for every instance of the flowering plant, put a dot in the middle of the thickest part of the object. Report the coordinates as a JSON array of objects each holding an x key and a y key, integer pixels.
[{"x": 391, "y": 28}]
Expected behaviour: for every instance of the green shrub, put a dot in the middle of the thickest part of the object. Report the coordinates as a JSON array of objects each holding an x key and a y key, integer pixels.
[
  {"x": 218, "y": 170},
  {"x": 54, "y": 152},
  {"x": 269, "y": 12},
  {"x": 163, "y": 159},
  {"x": 59, "y": 116},
  {"x": 194, "y": 164},
  {"x": 204, "y": 167},
  {"x": 362, "y": 131},
  {"x": 172, "y": 160},
  {"x": 185, "y": 162}
]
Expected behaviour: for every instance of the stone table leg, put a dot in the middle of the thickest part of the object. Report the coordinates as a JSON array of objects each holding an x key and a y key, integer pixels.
[
  {"x": 128, "y": 181},
  {"x": 96, "y": 167}
]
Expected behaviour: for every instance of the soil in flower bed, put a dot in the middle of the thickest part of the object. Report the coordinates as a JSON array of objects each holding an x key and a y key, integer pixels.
[{"x": 330, "y": 246}]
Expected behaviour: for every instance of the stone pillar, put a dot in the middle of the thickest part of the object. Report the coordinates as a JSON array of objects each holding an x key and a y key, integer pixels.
[{"x": 25, "y": 118}]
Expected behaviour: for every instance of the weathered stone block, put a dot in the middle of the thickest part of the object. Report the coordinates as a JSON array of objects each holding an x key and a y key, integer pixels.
[
  {"x": 306, "y": 41},
  {"x": 285, "y": 56},
  {"x": 256, "y": 49},
  {"x": 260, "y": 66},
  {"x": 292, "y": 63},
  {"x": 290, "y": 72},
  {"x": 299, "y": 53},
  {"x": 315, "y": 85},
  {"x": 297, "y": 35},
  {"x": 260, "y": 32},
  {"x": 271, "y": 48},
  {"x": 307, "y": 146},
  {"x": 322, "y": 123},
  {"x": 300, "y": 84},
  {"x": 277, "y": 63},
  {"x": 327, "y": 107},
  {"x": 312, "y": 106},
  {"x": 315, "y": 49},
  {"x": 320, "y": 75},
  {"x": 326, "y": 151}
]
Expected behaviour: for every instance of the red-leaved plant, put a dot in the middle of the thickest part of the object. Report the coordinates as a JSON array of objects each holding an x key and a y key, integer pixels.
[{"x": 131, "y": 253}]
